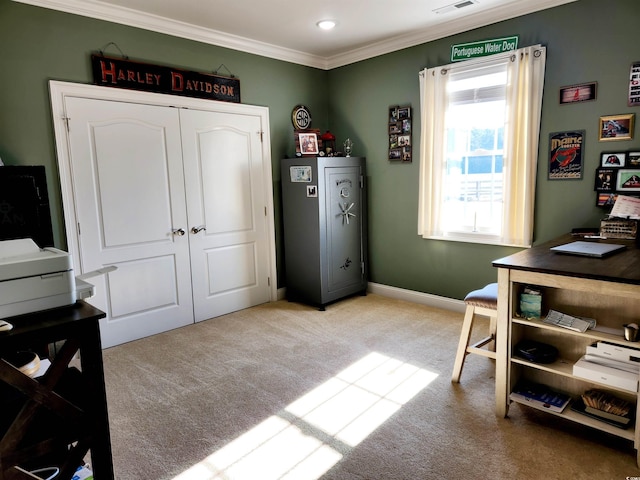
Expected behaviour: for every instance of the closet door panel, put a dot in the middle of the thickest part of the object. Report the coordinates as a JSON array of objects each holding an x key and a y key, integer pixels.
[
  {"x": 237, "y": 261},
  {"x": 120, "y": 171},
  {"x": 223, "y": 166},
  {"x": 129, "y": 198},
  {"x": 226, "y": 181}
]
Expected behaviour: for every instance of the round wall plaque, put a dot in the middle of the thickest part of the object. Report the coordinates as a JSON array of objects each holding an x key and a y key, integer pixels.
[{"x": 301, "y": 117}]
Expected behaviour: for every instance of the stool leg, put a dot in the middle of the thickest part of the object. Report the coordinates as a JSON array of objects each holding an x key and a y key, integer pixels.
[{"x": 465, "y": 335}]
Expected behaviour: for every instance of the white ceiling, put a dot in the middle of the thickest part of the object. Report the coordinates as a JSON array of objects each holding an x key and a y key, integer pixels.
[{"x": 286, "y": 29}]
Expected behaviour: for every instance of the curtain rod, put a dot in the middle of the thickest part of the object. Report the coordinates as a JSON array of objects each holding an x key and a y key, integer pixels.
[{"x": 480, "y": 61}]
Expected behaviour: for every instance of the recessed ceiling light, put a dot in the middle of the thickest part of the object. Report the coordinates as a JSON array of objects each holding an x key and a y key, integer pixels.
[{"x": 326, "y": 24}]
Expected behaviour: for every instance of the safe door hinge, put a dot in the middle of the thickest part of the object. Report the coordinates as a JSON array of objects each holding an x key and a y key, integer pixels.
[
  {"x": 78, "y": 228},
  {"x": 261, "y": 133},
  {"x": 361, "y": 181},
  {"x": 362, "y": 267},
  {"x": 269, "y": 281},
  {"x": 66, "y": 119}
]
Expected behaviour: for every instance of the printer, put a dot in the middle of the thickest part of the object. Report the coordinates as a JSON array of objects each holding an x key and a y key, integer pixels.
[{"x": 33, "y": 279}]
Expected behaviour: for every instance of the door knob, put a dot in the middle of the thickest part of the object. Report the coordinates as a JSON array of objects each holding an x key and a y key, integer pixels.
[
  {"x": 195, "y": 230},
  {"x": 178, "y": 231}
]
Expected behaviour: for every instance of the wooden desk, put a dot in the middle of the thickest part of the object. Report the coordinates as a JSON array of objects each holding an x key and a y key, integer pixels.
[
  {"x": 82, "y": 425},
  {"x": 607, "y": 289}
]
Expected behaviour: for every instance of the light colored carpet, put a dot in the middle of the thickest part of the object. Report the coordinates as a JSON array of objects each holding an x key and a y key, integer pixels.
[{"x": 228, "y": 398}]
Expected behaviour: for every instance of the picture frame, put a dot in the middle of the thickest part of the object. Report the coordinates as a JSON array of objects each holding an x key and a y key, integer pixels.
[
  {"x": 633, "y": 159},
  {"x": 395, "y": 154},
  {"x": 583, "y": 92},
  {"x": 605, "y": 180},
  {"x": 616, "y": 127},
  {"x": 566, "y": 155},
  {"x": 628, "y": 180},
  {"x": 606, "y": 199},
  {"x": 613, "y": 159},
  {"x": 308, "y": 143},
  {"x": 400, "y": 143}
]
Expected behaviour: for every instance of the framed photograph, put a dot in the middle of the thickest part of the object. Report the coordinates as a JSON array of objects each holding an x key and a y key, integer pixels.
[
  {"x": 307, "y": 143},
  {"x": 613, "y": 159},
  {"x": 616, "y": 127},
  {"x": 578, "y": 93},
  {"x": 566, "y": 155},
  {"x": 628, "y": 181},
  {"x": 395, "y": 154},
  {"x": 406, "y": 154},
  {"x": 606, "y": 199},
  {"x": 605, "y": 179},
  {"x": 400, "y": 134},
  {"x": 633, "y": 159}
]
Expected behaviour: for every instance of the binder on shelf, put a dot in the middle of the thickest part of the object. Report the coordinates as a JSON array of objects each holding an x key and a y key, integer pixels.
[
  {"x": 540, "y": 396},
  {"x": 606, "y": 375}
]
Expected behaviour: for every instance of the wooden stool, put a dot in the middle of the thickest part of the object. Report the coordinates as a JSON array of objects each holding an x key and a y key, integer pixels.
[{"x": 482, "y": 302}]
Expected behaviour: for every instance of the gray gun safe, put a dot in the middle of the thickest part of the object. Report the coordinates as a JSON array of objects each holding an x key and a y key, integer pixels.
[{"x": 325, "y": 228}]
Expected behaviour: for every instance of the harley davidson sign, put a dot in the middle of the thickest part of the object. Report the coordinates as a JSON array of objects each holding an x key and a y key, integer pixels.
[{"x": 116, "y": 72}]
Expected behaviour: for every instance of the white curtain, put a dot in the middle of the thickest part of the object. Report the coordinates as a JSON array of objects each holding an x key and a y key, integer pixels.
[{"x": 525, "y": 82}]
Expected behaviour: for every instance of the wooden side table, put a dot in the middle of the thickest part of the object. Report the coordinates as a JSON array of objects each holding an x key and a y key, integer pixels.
[{"x": 48, "y": 416}]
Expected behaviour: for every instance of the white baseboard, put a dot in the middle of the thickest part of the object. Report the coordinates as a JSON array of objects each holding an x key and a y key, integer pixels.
[
  {"x": 417, "y": 297},
  {"x": 407, "y": 295}
]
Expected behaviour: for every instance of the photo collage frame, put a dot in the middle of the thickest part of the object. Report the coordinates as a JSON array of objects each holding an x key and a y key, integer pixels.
[
  {"x": 400, "y": 143},
  {"x": 618, "y": 173}
]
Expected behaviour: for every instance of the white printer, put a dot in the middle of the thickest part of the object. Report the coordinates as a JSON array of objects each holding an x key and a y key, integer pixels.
[{"x": 33, "y": 279}]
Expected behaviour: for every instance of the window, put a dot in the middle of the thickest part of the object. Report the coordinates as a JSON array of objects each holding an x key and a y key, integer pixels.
[{"x": 479, "y": 148}]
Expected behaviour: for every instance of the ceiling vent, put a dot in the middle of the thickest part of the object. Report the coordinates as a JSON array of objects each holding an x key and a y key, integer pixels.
[{"x": 455, "y": 6}]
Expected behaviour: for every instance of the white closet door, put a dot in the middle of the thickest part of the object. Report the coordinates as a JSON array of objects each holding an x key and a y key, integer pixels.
[
  {"x": 225, "y": 194},
  {"x": 129, "y": 198}
]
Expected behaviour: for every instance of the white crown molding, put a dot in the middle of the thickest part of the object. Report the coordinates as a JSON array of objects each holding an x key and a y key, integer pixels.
[
  {"x": 133, "y": 18},
  {"x": 442, "y": 30}
]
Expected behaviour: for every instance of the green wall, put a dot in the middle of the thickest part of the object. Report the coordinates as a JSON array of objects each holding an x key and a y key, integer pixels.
[
  {"x": 584, "y": 43},
  {"x": 38, "y": 45}
]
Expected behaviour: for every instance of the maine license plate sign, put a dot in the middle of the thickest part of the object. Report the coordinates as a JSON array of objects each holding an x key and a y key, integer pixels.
[
  {"x": 466, "y": 51},
  {"x": 122, "y": 73}
]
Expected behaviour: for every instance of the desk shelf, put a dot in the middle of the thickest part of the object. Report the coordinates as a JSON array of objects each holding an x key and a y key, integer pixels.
[
  {"x": 605, "y": 289},
  {"x": 51, "y": 420},
  {"x": 568, "y": 414}
]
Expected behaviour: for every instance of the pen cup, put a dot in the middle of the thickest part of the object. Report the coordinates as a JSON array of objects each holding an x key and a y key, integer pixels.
[{"x": 631, "y": 332}]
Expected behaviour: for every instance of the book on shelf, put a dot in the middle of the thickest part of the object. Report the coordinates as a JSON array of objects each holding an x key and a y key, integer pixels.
[{"x": 540, "y": 396}]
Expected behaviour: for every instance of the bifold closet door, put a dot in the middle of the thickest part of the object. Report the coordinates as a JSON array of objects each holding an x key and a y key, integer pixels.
[
  {"x": 228, "y": 234},
  {"x": 130, "y": 204}
]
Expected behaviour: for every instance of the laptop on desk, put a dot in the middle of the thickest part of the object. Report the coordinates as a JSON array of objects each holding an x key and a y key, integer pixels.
[{"x": 589, "y": 249}]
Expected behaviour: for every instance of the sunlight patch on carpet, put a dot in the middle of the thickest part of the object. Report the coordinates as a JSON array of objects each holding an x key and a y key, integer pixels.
[{"x": 314, "y": 432}]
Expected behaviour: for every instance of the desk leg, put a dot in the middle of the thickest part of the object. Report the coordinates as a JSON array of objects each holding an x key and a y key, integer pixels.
[
  {"x": 91, "y": 361},
  {"x": 502, "y": 344}
]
